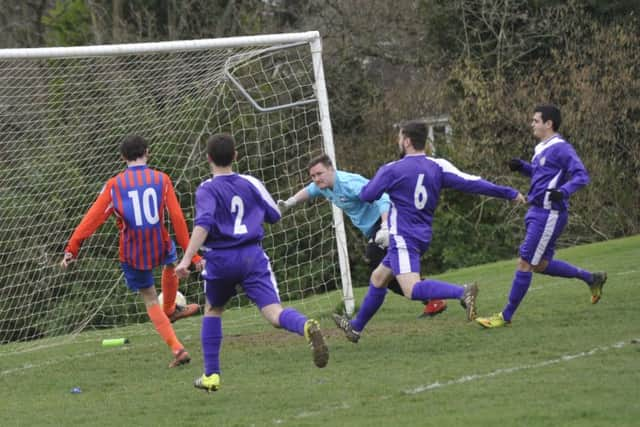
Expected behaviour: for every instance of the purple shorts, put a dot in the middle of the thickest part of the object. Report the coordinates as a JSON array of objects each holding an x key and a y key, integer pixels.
[
  {"x": 404, "y": 254},
  {"x": 543, "y": 229},
  {"x": 248, "y": 266}
]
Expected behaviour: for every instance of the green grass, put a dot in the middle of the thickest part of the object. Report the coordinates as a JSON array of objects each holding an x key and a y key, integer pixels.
[{"x": 563, "y": 362}]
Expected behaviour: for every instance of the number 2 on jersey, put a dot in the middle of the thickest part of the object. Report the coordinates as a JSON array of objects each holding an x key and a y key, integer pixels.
[
  {"x": 237, "y": 205},
  {"x": 420, "y": 193}
]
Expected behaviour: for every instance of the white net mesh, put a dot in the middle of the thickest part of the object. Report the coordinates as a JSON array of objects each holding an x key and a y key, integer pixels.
[{"x": 62, "y": 120}]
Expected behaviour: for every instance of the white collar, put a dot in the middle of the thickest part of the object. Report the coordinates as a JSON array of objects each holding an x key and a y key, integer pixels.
[{"x": 543, "y": 145}]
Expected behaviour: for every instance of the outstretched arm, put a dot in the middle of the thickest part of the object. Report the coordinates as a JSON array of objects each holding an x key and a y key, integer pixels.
[
  {"x": 94, "y": 218},
  {"x": 454, "y": 178},
  {"x": 377, "y": 186},
  {"x": 299, "y": 197}
]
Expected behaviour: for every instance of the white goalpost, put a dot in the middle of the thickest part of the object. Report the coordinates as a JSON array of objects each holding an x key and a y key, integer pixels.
[{"x": 63, "y": 113}]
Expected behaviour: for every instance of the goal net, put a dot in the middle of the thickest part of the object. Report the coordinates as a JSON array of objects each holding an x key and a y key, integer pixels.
[{"x": 63, "y": 113}]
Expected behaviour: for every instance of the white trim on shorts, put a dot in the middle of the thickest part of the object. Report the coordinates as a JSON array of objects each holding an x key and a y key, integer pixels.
[
  {"x": 547, "y": 233},
  {"x": 404, "y": 261}
]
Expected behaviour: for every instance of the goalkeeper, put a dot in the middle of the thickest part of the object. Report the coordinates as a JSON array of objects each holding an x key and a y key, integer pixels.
[
  {"x": 138, "y": 198},
  {"x": 342, "y": 189}
]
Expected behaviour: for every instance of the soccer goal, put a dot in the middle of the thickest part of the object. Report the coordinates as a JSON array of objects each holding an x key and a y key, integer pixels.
[{"x": 63, "y": 113}]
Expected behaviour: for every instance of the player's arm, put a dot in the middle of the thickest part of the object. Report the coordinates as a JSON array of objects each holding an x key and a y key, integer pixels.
[
  {"x": 579, "y": 177},
  {"x": 375, "y": 188},
  {"x": 519, "y": 165},
  {"x": 198, "y": 237},
  {"x": 300, "y": 197},
  {"x": 94, "y": 218},
  {"x": 577, "y": 171},
  {"x": 177, "y": 219},
  {"x": 454, "y": 178},
  {"x": 272, "y": 213}
]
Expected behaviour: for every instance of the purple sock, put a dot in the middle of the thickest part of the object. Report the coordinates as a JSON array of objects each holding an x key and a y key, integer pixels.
[
  {"x": 563, "y": 269},
  {"x": 370, "y": 304},
  {"x": 292, "y": 320},
  {"x": 211, "y": 338},
  {"x": 434, "y": 289},
  {"x": 519, "y": 288}
]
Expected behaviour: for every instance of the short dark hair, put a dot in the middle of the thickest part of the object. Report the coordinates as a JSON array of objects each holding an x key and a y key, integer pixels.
[
  {"x": 133, "y": 147},
  {"x": 550, "y": 112},
  {"x": 416, "y": 131},
  {"x": 221, "y": 149},
  {"x": 321, "y": 158}
]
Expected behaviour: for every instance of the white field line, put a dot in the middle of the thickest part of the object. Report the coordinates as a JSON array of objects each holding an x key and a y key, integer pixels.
[
  {"x": 497, "y": 372},
  {"x": 472, "y": 377}
]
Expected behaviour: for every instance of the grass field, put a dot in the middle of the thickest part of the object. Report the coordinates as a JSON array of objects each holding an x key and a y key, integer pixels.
[{"x": 563, "y": 362}]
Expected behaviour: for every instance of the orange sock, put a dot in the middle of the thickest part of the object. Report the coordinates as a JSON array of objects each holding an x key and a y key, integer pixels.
[
  {"x": 169, "y": 289},
  {"x": 163, "y": 326}
]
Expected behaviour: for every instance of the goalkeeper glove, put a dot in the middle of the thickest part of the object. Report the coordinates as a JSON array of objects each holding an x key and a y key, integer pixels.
[
  {"x": 382, "y": 236},
  {"x": 515, "y": 165},
  {"x": 285, "y": 205},
  {"x": 555, "y": 195}
]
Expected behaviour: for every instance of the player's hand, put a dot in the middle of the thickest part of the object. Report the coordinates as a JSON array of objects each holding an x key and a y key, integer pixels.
[
  {"x": 285, "y": 205},
  {"x": 182, "y": 269},
  {"x": 555, "y": 195},
  {"x": 520, "y": 199},
  {"x": 200, "y": 265},
  {"x": 515, "y": 165},
  {"x": 382, "y": 237},
  {"x": 67, "y": 259}
]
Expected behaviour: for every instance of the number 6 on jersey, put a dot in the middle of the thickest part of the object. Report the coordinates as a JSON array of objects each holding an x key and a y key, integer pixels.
[{"x": 420, "y": 193}]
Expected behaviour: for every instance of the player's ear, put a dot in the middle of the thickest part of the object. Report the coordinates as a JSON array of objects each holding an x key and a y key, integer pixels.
[{"x": 235, "y": 155}]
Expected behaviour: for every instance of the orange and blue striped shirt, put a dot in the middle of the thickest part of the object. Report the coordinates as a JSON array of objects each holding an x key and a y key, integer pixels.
[{"x": 138, "y": 197}]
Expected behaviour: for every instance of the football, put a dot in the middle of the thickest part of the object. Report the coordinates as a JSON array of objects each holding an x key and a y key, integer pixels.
[{"x": 180, "y": 299}]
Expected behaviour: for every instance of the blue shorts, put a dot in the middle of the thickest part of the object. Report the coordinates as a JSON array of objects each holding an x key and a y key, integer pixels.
[
  {"x": 403, "y": 255},
  {"x": 142, "y": 279},
  {"x": 543, "y": 226},
  {"x": 248, "y": 266}
]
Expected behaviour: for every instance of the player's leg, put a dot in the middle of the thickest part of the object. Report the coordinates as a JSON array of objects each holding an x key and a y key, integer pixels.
[
  {"x": 371, "y": 302},
  {"x": 169, "y": 285},
  {"x": 261, "y": 288},
  {"x": 404, "y": 259},
  {"x": 540, "y": 224},
  {"x": 557, "y": 268},
  {"x": 142, "y": 281},
  {"x": 436, "y": 290},
  {"x": 375, "y": 254},
  {"x": 220, "y": 276},
  {"x": 595, "y": 281},
  {"x": 211, "y": 339}
]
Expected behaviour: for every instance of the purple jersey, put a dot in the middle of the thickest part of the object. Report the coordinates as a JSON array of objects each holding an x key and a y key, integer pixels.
[
  {"x": 555, "y": 165},
  {"x": 232, "y": 208},
  {"x": 414, "y": 183}
]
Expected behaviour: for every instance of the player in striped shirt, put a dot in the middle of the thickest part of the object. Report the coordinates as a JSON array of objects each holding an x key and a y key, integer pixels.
[
  {"x": 230, "y": 211},
  {"x": 139, "y": 197},
  {"x": 343, "y": 190},
  {"x": 414, "y": 183},
  {"x": 556, "y": 173}
]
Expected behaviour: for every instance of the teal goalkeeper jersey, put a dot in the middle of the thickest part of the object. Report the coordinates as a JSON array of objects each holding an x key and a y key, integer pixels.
[{"x": 345, "y": 195}]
